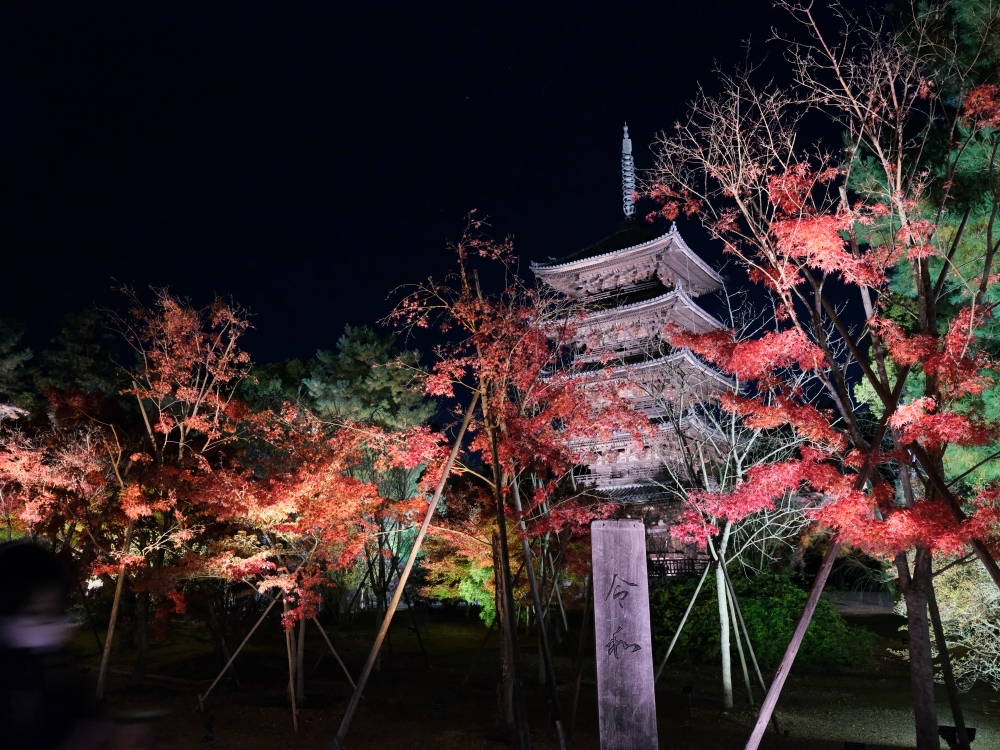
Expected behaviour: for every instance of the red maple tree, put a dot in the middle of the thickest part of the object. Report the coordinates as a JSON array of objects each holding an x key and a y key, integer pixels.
[{"x": 813, "y": 231}]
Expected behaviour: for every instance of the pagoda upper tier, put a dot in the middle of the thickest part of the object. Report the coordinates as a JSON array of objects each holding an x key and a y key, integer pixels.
[
  {"x": 638, "y": 327},
  {"x": 634, "y": 262}
]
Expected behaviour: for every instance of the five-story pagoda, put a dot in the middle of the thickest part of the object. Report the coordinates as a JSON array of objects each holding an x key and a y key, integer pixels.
[{"x": 633, "y": 285}]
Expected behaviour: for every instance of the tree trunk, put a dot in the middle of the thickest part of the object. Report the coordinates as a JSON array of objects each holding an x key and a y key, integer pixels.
[
  {"x": 541, "y": 660},
  {"x": 949, "y": 675},
  {"x": 544, "y": 652},
  {"x": 506, "y": 711},
  {"x": 509, "y": 624},
  {"x": 727, "y": 666},
  {"x": 141, "y": 639},
  {"x": 218, "y": 635},
  {"x": 300, "y": 663},
  {"x": 915, "y": 587},
  {"x": 90, "y": 619},
  {"x": 380, "y": 594}
]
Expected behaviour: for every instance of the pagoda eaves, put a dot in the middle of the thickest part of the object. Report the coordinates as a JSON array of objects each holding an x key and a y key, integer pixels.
[
  {"x": 666, "y": 258},
  {"x": 639, "y": 326}
]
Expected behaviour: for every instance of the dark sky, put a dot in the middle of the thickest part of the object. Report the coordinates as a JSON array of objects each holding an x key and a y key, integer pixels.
[{"x": 308, "y": 157}]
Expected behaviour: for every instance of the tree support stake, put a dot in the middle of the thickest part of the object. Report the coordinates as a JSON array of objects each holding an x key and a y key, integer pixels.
[{"x": 337, "y": 742}]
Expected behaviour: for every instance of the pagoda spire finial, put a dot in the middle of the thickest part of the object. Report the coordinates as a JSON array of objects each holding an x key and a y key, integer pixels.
[{"x": 628, "y": 176}]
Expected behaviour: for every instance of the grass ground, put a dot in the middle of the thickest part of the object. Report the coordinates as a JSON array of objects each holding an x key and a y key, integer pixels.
[{"x": 410, "y": 707}]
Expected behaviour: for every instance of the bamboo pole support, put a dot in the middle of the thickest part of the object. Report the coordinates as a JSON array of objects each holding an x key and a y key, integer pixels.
[
  {"x": 673, "y": 641},
  {"x": 771, "y": 699},
  {"x": 337, "y": 742},
  {"x": 334, "y": 652},
  {"x": 291, "y": 680},
  {"x": 949, "y": 676},
  {"x": 588, "y": 596},
  {"x": 109, "y": 637},
  {"x": 236, "y": 653},
  {"x": 739, "y": 642}
]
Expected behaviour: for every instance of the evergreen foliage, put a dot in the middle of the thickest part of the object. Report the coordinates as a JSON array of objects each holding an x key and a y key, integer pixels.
[
  {"x": 14, "y": 385},
  {"x": 369, "y": 380},
  {"x": 771, "y": 605}
]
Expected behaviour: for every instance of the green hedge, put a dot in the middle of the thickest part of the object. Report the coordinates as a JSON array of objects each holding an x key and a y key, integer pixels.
[{"x": 771, "y": 606}]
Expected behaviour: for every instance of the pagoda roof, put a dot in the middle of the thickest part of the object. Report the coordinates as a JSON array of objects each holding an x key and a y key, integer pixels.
[
  {"x": 684, "y": 359},
  {"x": 638, "y": 252},
  {"x": 697, "y": 319}
]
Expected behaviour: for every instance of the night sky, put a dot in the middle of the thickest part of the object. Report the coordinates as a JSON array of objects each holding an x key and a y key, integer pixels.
[{"x": 308, "y": 157}]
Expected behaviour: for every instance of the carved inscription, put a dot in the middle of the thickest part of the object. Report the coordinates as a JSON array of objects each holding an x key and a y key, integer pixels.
[{"x": 627, "y": 707}]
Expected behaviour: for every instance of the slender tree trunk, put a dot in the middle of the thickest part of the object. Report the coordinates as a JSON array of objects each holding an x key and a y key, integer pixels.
[
  {"x": 506, "y": 711},
  {"x": 915, "y": 586},
  {"x": 544, "y": 652},
  {"x": 727, "y": 662},
  {"x": 509, "y": 624},
  {"x": 90, "y": 619},
  {"x": 541, "y": 660},
  {"x": 141, "y": 639},
  {"x": 588, "y": 596},
  {"x": 290, "y": 645},
  {"x": 723, "y": 599},
  {"x": 291, "y": 676},
  {"x": 416, "y": 628},
  {"x": 949, "y": 675},
  {"x": 300, "y": 663},
  {"x": 218, "y": 635}
]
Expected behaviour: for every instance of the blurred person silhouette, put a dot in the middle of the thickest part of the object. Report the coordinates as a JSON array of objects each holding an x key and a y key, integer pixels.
[
  {"x": 39, "y": 702},
  {"x": 42, "y": 701}
]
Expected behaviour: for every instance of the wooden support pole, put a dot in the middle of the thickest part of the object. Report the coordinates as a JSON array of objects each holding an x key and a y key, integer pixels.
[
  {"x": 236, "y": 653},
  {"x": 334, "y": 652},
  {"x": 673, "y": 641},
  {"x": 753, "y": 656},
  {"x": 949, "y": 675},
  {"x": 337, "y": 742},
  {"x": 109, "y": 637},
  {"x": 739, "y": 643},
  {"x": 771, "y": 700}
]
